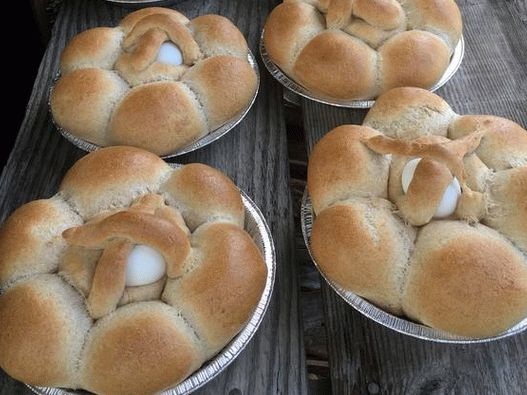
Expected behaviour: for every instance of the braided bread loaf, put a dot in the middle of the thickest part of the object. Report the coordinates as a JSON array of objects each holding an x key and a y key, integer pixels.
[
  {"x": 454, "y": 261},
  {"x": 126, "y": 85},
  {"x": 358, "y": 49},
  {"x": 70, "y": 316}
]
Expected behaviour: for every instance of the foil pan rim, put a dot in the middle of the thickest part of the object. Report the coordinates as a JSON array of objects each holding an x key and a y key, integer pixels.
[
  {"x": 398, "y": 324},
  {"x": 288, "y": 83}
]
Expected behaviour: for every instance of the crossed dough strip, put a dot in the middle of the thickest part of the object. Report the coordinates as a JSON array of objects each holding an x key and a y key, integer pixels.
[
  {"x": 147, "y": 222},
  {"x": 109, "y": 279},
  {"x": 113, "y": 91},
  {"x": 48, "y": 336},
  {"x": 466, "y": 274},
  {"x": 358, "y": 49},
  {"x": 450, "y": 153}
]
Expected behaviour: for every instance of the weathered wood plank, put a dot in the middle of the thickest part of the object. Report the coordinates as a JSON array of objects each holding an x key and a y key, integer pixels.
[
  {"x": 254, "y": 155},
  {"x": 368, "y": 358}
]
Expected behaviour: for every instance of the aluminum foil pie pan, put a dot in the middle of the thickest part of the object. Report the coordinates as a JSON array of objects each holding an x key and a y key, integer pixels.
[
  {"x": 398, "y": 324},
  {"x": 200, "y": 143},
  {"x": 287, "y": 82},
  {"x": 258, "y": 229}
]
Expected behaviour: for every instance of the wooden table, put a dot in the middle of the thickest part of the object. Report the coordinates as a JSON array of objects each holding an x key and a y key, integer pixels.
[
  {"x": 366, "y": 358},
  {"x": 254, "y": 155}
]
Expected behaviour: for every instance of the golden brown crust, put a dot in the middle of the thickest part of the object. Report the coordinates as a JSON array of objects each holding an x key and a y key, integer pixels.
[
  {"x": 371, "y": 35},
  {"x": 82, "y": 102},
  {"x": 78, "y": 266},
  {"x": 140, "y": 349},
  {"x": 399, "y": 161},
  {"x": 153, "y": 73},
  {"x": 448, "y": 152},
  {"x": 415, "y": 124},
  {"x": 441, "y": 17},
  {"x": 30, "y": 239},
  {"x": 98, "y": 47},
  {"x": 216, "y": 35},
  {"x": 133, "y": 18},
  {"x": 43, "y": 328},
  {"x": 364, "y": 248},
  {"x": 333, "y": 175},
  {"x": 145, "y": 50},
  {"x": 321, "y": 5},
  {"x": 45, "y": 321},
  {"x": 155, "y": 204},
  {"x": 219, "y": 295},
  {"x": 409, "y": 113},
  {"x": 92, "y": 100},
  {"x": 288, "y": 28},
  {"x": 386, "y": 14},
  {"x": 442, "y": 159},
  {"x": 140, "y": 228},
  {"x": 455, "y": 283},
  {"x": 425, "y": 192},
  {"x": 414, "y": 58},
  {"x": 414, "y": 40},
  {"x": 335, "y": 65},
  {"x": 204, "y": 194},
  {"x": 477, "y": 173},
  {"x": 176, "y": 32},
  {"x": 109, "y": 279},
  {"x": 160, "y": 117},
  {"x": 112, "y": 177},
  {"x": 504, "y": 144},
  {"x": 143, "y": 293},
  {"x": 507, "y": 205},
  {"x": 224, "y": 86},
  {"x": 339, "y": 14},
  {"x": 100, "y": 274}
]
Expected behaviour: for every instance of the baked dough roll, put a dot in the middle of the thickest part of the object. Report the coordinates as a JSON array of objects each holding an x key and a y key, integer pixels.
[
  {"x": 507, "y": 205},
  {"x": 342, "y": 166},
  {"x": 364, "y": 248},
  {"x": 223, "y": 284},
  {"x": 158, "y": 117},
  {"x": 203, "y": 194},
  {"x": 30, "y": 239},
  {"x": 467, "y": 280},
  {"x": 140, "y": 349},
  {"x": 82, "y": 102},
  {"x": 409, "y": 113},
  {"x": 112, "y": 177},
  {"x": 504, "y": 144},
  {"x": 44, "y": 324}
]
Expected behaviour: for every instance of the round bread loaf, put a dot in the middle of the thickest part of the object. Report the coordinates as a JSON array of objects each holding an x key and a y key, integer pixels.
[
  {"x": 156, "y": 81},
  {"x": 76, "y": 309},
  {"x": 424, "y": 213},
  {"x": 359, "y": 49}
]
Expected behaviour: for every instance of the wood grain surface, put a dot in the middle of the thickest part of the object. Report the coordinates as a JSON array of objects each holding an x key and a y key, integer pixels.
[
  {"x": 366, "y": 358},
  {"x": 254, "y": 155}
]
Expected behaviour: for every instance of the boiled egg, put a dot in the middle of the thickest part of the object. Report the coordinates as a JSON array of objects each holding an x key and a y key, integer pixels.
[
  {"x": 145, "y": 266},
  {"x": 450, "y": 198},
  {"x": 169, "y": 53}
]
